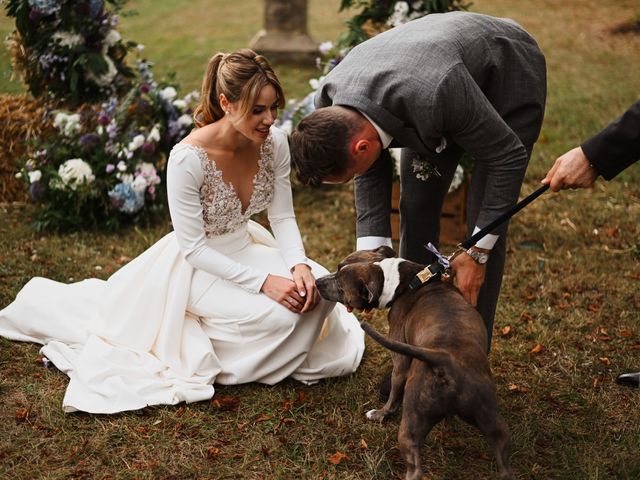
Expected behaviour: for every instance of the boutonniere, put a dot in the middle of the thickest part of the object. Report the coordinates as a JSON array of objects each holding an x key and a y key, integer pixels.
[{"x": 424, "y": 169}]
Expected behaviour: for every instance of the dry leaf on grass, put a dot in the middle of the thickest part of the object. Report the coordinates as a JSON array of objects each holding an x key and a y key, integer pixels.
[
  {"x": 337, "y": 457},
  {"x": 505, "y": 330},
  {"x": 226, "y": 403},
  {"x": 537, "y": 349}
]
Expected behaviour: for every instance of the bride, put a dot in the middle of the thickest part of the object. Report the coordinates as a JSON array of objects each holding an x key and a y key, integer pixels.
[{"x": 217, "y": 300}]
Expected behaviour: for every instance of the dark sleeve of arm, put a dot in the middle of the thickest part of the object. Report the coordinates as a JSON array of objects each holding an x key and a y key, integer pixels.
[
  {"x": 468, "y": 117},
  {"x": 373, "y": 199},
  {"x": 617, "y": 146}
]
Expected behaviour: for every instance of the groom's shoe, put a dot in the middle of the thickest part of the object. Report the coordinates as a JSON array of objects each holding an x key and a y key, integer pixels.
[{"x": 629, "y": 379}]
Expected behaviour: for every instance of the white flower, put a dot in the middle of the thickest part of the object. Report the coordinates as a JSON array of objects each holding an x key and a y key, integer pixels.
[
  {"x": 154, "y": 134},
  {"x": 315, "y": 82},
  {"x": 67, "y": 39},
  {"x": 19, "y": 175},
  {"x": 180, "y": 104},
  {"x": 139, "y": 184},
  {"x": 122, "y": 166},
  {"x": 458, "y": 177},
  {"x": 68, "y": 125},
  {"x": 107, "y": 77},
  {"x": 136, "y": 143},
  {"x": 400, "y": 14},
  {"x": 185, "y": 120},
  {"x": 192, "y": 96},
  {"x": 35, "y": 176},
  {"x": 112, "y": 38},
  {"x": 140, "y": 47},
  {"x": 325, "y": 47},
  {"x": 75, "y": 172},
  {"x": 168, "y": 94}
]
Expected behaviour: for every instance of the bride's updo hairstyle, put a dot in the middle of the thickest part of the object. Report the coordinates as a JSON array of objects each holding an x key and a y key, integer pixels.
[{"x": 239, "y": 76}]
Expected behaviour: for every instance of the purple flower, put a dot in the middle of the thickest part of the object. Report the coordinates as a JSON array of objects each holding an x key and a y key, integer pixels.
[
  {"x": 144, "y": 88},
  {"x": 34, "y": 15},
  {"x": 110, "y": 167},
  {"x": 103, "y": 119},
  {"x": 148, "y": 147},
  {"x": 88, "y": 140}
]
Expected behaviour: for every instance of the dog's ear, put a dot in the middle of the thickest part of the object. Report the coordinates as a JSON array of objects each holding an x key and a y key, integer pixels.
[{"x": 388, "y": 252}]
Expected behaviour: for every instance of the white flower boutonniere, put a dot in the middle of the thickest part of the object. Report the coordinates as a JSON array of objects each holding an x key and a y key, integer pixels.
[{"x": 424, "y": 169}]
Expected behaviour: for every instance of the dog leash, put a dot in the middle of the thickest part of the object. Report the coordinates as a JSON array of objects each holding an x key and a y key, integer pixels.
[{"x": 442, "y": 264}]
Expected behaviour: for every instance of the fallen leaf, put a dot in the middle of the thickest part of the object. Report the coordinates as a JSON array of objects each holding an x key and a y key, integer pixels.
[
  {"x": 626, "y": 333},
  {"x": 337, "y": 457},
  {"x": 537, "y": 349},
  {"x": 226, "y": 403},
  {"x": 265, "y": 451},
  {"x": 122, "y": 259},
  {"x": 593, "y": 307},
  {"x": 263, "y": 417},
  {"x": 512, "y": 387},
  {"x": 213, "y": 452},
  {"x": 605, "y": 360},
  {"x": 505, "y": 330},
  {"x": 612, "y": 232},
  {"x": 363, "y": 444},
  {"x": 22, "y": 414},
  {"x": 526, "y": 317}
]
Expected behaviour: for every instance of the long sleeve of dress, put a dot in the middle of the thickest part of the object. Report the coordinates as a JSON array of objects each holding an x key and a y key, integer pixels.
[
  {"x": 184, "y": 179},
  {"x": 281, "y": 214}
]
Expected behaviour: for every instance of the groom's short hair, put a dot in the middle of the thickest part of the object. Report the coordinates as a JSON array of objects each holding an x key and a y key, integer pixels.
[{"x": 320, "y": 144}]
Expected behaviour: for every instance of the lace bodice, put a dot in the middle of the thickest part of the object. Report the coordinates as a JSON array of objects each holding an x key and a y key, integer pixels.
[{"x": 221, "y": 207}]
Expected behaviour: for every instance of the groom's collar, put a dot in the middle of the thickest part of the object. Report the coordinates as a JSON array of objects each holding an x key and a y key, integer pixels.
[{"x": 385, "y": 138}]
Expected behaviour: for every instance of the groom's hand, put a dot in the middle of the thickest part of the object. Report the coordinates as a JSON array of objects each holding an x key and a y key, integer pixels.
[{"x": 469, "y": 277}]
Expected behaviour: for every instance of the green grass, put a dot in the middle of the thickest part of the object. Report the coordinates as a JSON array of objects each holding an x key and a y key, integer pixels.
[{"x": 571, "y": 285}]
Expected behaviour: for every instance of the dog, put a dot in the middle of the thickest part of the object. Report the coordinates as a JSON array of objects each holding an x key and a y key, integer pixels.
[{"x": 438, "y": 343}]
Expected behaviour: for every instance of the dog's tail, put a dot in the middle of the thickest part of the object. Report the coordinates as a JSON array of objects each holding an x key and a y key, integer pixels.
[{"x": 433, "y": 356}]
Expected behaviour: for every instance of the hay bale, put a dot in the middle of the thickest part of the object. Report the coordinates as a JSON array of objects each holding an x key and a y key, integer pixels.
[{"x": 22, "y": 119}]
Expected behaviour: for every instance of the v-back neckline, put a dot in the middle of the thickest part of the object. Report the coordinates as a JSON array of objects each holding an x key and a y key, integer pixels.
[{"x": 229, "y": 186}]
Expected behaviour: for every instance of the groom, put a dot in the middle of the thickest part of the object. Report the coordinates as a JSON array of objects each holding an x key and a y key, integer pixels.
[{"x": 438, "y": 86}]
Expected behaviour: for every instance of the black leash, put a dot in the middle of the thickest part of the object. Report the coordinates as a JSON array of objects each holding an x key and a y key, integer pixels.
[{"x": 438, "y": 267}]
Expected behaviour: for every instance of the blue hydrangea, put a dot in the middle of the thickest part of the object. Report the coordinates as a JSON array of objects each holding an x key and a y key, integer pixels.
[{"x": 125, "y": 199}]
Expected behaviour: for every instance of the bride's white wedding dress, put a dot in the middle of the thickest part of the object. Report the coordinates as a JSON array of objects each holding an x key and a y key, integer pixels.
[{"x": 187, "y": 312}]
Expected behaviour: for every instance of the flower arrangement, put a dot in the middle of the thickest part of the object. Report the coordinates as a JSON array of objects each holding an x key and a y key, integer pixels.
[
  {"x": 379, "y": 15},
  {"x": 107, "y": 161},
  {"x": 69, "y": 51}
]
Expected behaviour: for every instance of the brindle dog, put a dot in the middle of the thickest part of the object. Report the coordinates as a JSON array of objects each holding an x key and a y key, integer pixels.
[{"x": 438, "y": 344}]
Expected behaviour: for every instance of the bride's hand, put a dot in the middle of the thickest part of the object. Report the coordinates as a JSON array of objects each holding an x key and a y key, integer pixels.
[
  {"x": 306, "y": 284},
  {"x": 284, "y": 291}
]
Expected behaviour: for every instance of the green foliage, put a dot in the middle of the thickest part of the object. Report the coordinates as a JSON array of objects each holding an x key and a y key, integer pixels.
[
  {"x": 375, "y": 15},
  {"x": 68, "y": 51}
]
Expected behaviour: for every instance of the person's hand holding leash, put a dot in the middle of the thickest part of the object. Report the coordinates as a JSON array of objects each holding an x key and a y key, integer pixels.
[{"x": 571, "y": 170}]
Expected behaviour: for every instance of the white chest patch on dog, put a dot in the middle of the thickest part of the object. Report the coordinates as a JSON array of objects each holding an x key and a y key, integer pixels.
[{"x": 389, "y": 268}]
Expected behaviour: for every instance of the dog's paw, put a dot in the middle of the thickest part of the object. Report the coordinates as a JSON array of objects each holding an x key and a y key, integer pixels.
[{"x": 375, "y": 415}]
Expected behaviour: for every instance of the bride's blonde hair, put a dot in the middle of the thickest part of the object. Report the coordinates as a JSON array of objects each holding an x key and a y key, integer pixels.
[{"x": 239, "y": 76}]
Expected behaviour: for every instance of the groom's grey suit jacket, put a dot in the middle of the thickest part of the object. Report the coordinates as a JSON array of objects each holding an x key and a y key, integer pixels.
[{"x": 477, "y": 81}]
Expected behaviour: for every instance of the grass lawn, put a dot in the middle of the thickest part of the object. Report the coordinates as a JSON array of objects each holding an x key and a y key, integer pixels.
[{"x": 568, "y": 320}]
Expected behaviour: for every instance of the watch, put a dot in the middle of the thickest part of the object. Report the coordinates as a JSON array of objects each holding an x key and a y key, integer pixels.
[{"x": 479, "y": 257}]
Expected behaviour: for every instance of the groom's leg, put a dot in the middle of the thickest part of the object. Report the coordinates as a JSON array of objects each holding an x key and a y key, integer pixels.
[{"x": 421, "y": 204}]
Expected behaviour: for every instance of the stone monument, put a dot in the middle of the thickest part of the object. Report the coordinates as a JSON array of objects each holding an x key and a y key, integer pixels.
[{"x": 285, "y": 36}]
